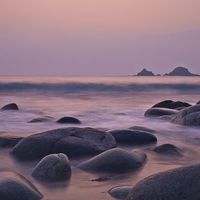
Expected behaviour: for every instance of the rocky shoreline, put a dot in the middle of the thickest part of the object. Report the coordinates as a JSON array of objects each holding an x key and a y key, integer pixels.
[{"x": 102, "y": 152}]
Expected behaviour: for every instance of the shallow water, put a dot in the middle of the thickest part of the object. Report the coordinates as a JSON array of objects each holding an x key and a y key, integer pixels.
[{"x": 107, "y": 102}]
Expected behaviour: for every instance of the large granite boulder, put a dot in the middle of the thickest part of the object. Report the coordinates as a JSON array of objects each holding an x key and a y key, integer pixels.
[
  {"x": 114, "y": 161},
  {"x": 15, "y": 187},
  {"x": 168, "y": 149},
  {"x": 189, "y": 116},
  {"x": 87, "y": 141},
  {"x": 10, "y": 106},
  {"x": 133, "y": 137},
  {"x": 69, "y": 120},
  {"x": 9, "y": 141},
  {"x": 54, "y": 167},
  {"x": 171, "y": 104},
  {"x": 159, "y": 112},
  {"x": 177, "y": 184}
]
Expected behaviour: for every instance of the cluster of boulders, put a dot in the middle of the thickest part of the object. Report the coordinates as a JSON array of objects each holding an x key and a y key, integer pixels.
[{"x": 102, "y": 152}]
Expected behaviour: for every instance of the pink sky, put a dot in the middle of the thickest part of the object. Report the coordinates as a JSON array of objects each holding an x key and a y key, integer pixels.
[{"x": 98, "y": 37}]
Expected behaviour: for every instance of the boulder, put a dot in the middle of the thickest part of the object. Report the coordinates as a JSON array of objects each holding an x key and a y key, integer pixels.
[
  {"x": 189, "y": 116},
  {"x": 119, "y": 192},
  {"x": 168, "y": 149},
  {"x": 15, "y": 187},
  {"x": 181, "y": 183},
  {"x": 141, "y": 128},
  {"x": 114, "y": 161},
  {"x": 62, "y": 141},
  {"x": 54, "y": 167},
  {"x": 69, "y": 120},
  {"x": 133, "y": 137},
  {"x": 171, "y": 104},
  {"x": 9, "y": 141},
  {"x": 10, "y": 106},
  {"x": 41, "y": 119},
  {"x": 159, "y": 112},
  {"x": 198, "y": 102}
]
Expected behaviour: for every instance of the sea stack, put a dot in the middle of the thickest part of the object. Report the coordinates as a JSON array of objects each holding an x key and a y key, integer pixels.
[
  {"x": 145, "y": 72},
  {"x": 180, "y": 71}
]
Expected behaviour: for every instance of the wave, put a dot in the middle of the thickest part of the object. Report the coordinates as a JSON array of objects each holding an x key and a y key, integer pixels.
[{"x": 97, "y": 87}]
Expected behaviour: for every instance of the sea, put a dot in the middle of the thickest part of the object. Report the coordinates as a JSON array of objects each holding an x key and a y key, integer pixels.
[{"x": 99, "y": 102}]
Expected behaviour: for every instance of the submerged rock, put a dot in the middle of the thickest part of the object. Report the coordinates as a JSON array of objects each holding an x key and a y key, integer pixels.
[
  {"x": 9, "y": 141},
  {"x": 41, "y": 119},
  {"x": 141, "y": 128},
  {"x": 88, "y": 141},
  {"x": 171, "y": 104},
  {"x": 120, "y": 192},
  {"x": 54, "y": 167},
  {"x": 10, "y": 106},
  {"x": 181, "y": 183},
  {"x": 114, "y": 161},
  {"x": 16, "y": 187},
  {"x": 168, "y": 149},
  {"x": 69, "y": 120},
  {"x": 159, "y": 112},
  {"x": 189, "y": 116},
  {"x": 134, "y": 137}
]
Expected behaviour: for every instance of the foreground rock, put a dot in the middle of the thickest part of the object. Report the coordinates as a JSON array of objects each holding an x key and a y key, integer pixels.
[
  {"x": 168, "y": 149},
  {"x": 9, "y": 141},
  {"x": 171, "y": 104},
  {"x": 16, "y": 187},
  {"x": 134, "y": 137},
  {"x": 71, "y": 141},
  {"x": 119, "y": 192},
  {"x": 41, "y": 119},
  {"x": 189, "y": 116},
  {"x": 178, "y": 184},
  {"x": 10, "y": 106},
  {"x": 69, "y": 120},
  {"x": 54, "y": 167},
  {"x": 159, "y": 112},
  {"x": 114, "y": 161}
]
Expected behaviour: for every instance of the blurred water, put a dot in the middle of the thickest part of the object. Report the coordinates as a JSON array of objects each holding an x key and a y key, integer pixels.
[{"x": 102, "y": 102}]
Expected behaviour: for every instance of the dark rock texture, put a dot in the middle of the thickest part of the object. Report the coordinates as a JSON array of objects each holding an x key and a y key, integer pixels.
[
  {"x": 119, "y": 192},
  {"x": 71, "y": 141},
  {"x": 114, "y": 161},
  {"x": 9, "y": 141},
  {"x": 141, "y": 128},
  {"x": 178, "y": 184},
  {"x": 181, "y": 71},
  {"x": 168, "y": 149},
  {"x": 133, "y": 137},
  {"x": 41, "y": 119},
  {"x": 10, "y": 106},
  {"x": 171, "y": 104},
  {"x": 145, "y": 72},
  {"x": 69, "y": 120},
  {"x": 159, "y": 112},
  {"x": 15, "y": 187},
  {"x": 189, "y": 116},
  {"x": 54, "y": 167}
]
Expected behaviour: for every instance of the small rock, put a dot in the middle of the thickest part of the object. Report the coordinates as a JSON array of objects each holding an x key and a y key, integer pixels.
[
  {"x": 10, "y": 106},
  {"x": 114, "y": 161},
  {"x": 168, "y": 149},
  {"x": 54, "y": 167},
  {"x": 134, "y": 137},
  {"x": 120, "y": 192},
  {"x": 69, "y": 120},
  {"x": 41, "y": 119},
  {"x": 171, "y": 104},
  {"x": 158, "y": 112}
]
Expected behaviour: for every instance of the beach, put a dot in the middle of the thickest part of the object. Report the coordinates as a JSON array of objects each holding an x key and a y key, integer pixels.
[{"x": 103, "y": 103}]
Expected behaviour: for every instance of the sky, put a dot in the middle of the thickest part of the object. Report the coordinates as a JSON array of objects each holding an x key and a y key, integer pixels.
[{"x": 98, "y": 37}]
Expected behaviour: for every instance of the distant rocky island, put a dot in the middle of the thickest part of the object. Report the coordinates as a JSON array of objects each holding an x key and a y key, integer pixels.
[{"x": 178, "y": 71}]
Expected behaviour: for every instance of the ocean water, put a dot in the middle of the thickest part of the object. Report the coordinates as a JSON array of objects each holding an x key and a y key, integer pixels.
[{"x": 99, "y": 102}]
